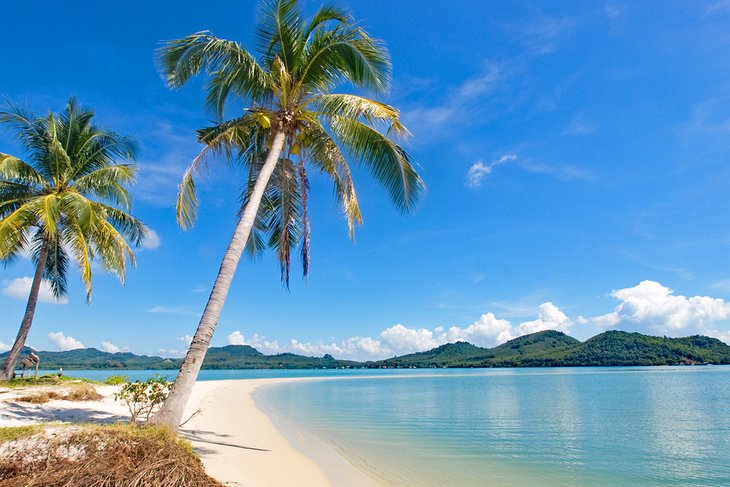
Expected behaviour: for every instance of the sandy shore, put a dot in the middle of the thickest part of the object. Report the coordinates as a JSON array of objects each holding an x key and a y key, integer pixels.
[
  {"x": 237, "y": 442},
  {"x": 240, "y": 445}
]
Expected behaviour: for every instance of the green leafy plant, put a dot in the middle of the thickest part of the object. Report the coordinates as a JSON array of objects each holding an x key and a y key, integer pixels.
[
  {"x": 144, "y": 398},
  {"x": 116, "y": 380}
]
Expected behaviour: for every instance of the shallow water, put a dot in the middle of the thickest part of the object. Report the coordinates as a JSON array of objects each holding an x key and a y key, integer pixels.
[
  {"x": 141, "y": 375},
  {"x": 528, "y": 427}
]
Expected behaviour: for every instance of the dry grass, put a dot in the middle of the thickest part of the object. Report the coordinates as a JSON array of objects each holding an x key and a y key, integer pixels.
[
  {"x": 39, "y": 397},
  {"x": 82, "y": 392},
  {"x": 79, "y": 392},
  {"x": 103, "y": 456}
]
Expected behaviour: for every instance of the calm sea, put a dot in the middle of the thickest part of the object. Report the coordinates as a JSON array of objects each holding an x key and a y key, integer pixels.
[
  {"x": 623, "y": 426},
  {"x": 524, "y": 427}
]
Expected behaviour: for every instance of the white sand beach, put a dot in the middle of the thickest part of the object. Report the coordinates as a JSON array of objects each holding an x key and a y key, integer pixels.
[{"x": 238, "y": 444}]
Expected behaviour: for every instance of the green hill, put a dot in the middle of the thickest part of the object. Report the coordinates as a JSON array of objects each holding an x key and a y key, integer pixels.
[
  {"x": 246, "y": 357},
  {"x": 444, "y": 356},
  {"x": 543, "y": 349},
  {"x": 91, "y": 358},
  {"x": 462, "y": 354},
  {"x": 228, "y": 357},
  {"x": 623, "y": 348}
]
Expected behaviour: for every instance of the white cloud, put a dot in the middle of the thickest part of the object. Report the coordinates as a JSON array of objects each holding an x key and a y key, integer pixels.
[
  {"x": 487, "y": 331},
  {"x": 152, "y": 241},
  {"x": 236, "y": 338},
  {"x": 654, "y": 308},
  {"x": 260, "y": 343},
  {"x": 648, "y": 307},
  {"x": 64, "y": 343},
  {"x": 171, "y": 353},
  {"x": 186, "y": 339},
  {"x": 479, "y": 170},
  {"x": 19, "y": 288},
  {"x": 549, "y": 317},
  {"x": 4, "y": 347},
  {"x": 109, "y": 347}
]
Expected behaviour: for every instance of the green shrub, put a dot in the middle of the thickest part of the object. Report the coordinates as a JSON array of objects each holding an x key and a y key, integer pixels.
[
  {"x": 144, "y": 398},
  {"x": 116, "y": 380}
]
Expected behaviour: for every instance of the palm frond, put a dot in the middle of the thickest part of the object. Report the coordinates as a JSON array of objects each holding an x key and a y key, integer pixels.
[
  {"x": 354, "y": 107},
  {"x": 130, "y": 227},
  {"x": 231, "y": 67},
  {"x": 223, "y": 138},
  {"x": 306, "y": 231},
  {"x": 14, "y": 169},
  {"x": 76, "y": 239},
  {"x": 56, "y": 271},
  {"x": 389, "y": 163},
  {"x": 30, "y": 134},
  {"x": 97, "y": 149},
  {"x": 346, "y": 54},
  {"x": 284, "y": 218},
  {"x": 14, "y": 230},
  {"x": 326, "y": 156},
  {"x": 13, "y": 195},
  {"x": 279, "y": 32},
  {"x": 327, "y": 13},
  {"x": 108, "y": 183}
]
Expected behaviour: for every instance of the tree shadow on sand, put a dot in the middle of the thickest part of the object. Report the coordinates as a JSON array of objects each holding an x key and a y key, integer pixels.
[
  {"x": 14, "y": 411},
  {"x": 212, "y": 438}
]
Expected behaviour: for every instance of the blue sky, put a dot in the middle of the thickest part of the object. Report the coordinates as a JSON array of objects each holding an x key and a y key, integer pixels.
[{"x": 575, "y": 155}]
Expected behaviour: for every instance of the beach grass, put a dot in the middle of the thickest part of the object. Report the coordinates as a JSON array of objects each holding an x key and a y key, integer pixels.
[
  {"x": 77, "y": 392},
  {"x": 12, "y": 433},
  {"x": 99, "y": 455},
  {"x": 44, "y": 380}
]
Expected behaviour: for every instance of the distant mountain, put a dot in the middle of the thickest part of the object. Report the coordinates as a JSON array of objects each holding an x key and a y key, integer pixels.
[
  {"x": 623, "y": 348},
  {"x": 91, "y": 358},
  {"x": 444, "y": 356},
  {"x": 462, "y": 354},
  {"x": 246, "y": 357},
  {"x": 543, "y": 349},
  {"x": 228, "y": 357}
]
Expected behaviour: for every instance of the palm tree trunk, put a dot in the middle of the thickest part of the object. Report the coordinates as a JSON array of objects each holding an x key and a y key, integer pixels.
[
  {"x": 9, "y": 367},
  {"x": 172, "y": 410}
]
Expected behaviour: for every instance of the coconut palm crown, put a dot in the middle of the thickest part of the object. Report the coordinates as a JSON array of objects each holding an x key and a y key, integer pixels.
[
  {"x": 65, "y": 202},
  {"x": 288, "y": 89},
  {"x": 289, "y": 122}
]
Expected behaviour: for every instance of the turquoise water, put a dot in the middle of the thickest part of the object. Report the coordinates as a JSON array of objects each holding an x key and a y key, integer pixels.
[
  {"x": 523, "y": 427},
  {"x": 100, "y": 375}
]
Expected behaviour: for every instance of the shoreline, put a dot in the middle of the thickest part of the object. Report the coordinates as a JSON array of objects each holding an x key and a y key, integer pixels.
[
  {"x": 240, "y": 443},
  {"x": 237, "y": 441}
]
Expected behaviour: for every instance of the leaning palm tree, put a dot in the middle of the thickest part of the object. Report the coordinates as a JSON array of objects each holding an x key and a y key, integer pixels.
[
  {"x": 290, "y": 121},
  {"x": 67, "y": 201}
]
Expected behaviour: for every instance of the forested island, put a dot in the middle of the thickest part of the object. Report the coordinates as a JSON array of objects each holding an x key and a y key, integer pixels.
[{"x": 543, "y": 349}]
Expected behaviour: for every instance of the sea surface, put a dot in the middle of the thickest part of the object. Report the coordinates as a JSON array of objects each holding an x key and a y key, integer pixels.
[
  {"x": 622, "y": 426},
  {"x": 607, "y": 426}
]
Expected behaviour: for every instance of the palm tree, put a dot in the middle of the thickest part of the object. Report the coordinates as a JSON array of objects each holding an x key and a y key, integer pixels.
[
  {"x": 291, "y": 120},
  {"x": 66, "y": 202}
]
